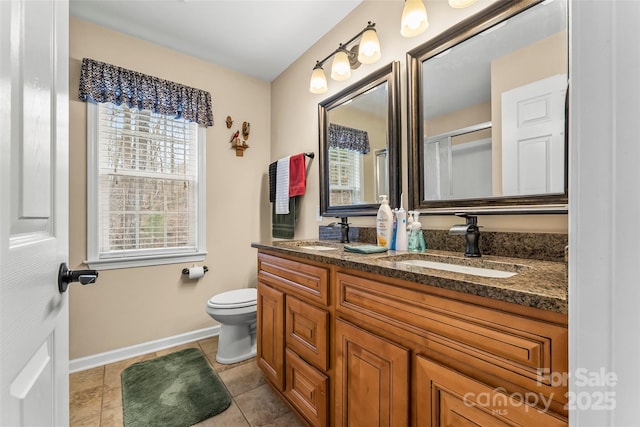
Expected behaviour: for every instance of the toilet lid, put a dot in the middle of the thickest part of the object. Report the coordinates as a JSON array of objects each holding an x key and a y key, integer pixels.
[{"x": 234, "y": 299}]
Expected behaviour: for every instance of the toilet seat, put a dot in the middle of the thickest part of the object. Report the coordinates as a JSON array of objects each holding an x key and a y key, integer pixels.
[{"x": 234, "y": 299}]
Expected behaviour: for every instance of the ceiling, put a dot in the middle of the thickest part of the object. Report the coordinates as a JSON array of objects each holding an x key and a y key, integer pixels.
[{"x": 260, "y": 38}]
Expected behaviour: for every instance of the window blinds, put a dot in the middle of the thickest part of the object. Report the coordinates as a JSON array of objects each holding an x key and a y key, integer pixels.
[
  {"x": 148, "y": 182},
  {"x": 345, "y": 176}
]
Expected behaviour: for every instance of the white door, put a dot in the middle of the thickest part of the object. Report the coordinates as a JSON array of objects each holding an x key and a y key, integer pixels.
[
  {"x": 34, "y": 320},
  {"x": 533, "y": 149}
]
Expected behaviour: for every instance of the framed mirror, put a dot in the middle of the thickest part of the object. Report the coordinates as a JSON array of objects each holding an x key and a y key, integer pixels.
[
  {"x": 488, "y": 112},
  {"x": 359, "y": 145}
]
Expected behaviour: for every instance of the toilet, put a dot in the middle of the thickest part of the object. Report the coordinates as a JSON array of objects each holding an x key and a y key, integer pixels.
[{"x": 236, "y": 313}]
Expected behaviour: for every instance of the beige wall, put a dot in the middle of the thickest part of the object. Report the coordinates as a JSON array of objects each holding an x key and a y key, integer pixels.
[
  {"x": 131, "y": 306},
  {"x": 294, "y": 109},
  {"x": 456, "y": 120}
]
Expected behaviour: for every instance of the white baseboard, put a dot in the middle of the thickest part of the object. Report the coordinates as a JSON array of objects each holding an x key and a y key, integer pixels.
[{"x": 105, "y": 358}]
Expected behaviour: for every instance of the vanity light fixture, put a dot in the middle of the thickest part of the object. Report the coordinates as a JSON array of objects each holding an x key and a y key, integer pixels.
[
  {"x": 414, "y": 18},
  {"x": 340, "y": 69},
  {"x": 369, "y": 51},
  {"x": 318, "y": 82},
  {"x": 346, "y": 59},
  {"x": 459, "y": 4}
]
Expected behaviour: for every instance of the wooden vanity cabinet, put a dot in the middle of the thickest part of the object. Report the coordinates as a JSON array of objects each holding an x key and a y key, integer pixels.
[
  {"x": 293, "y": 333},
  {"x": 463, "y": 348},
  {"x": 359, "y": 349}
]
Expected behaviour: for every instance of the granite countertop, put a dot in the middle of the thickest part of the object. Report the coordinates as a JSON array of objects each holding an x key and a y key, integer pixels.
[{"x": 538, "y": 284}]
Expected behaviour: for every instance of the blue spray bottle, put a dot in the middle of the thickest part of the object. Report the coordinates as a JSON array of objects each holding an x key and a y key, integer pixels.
[{"x": 401, "y": 228}]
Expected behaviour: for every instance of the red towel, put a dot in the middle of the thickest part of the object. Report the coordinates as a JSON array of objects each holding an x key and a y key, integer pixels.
[{"x": 297, "y": 175}]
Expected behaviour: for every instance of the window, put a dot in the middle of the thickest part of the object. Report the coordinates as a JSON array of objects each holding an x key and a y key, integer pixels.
[
  {"x": 345, "y": 176},
  {"x": 146, "y": 188}
]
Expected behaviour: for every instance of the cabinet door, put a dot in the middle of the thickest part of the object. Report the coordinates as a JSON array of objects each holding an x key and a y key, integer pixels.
[
  {"x": 447, "y": 398},
  {"x": 270, "y": 330},
  {"x": 307, "y": 389},
  {"x": 372, "y": 379},
  {"x": 307, "y": 330}
]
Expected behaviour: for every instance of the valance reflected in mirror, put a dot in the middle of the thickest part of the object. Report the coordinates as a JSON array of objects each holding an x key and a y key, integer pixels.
[
  {"x": 488, "y": 111},
  {"x": 359, "y": 133}
]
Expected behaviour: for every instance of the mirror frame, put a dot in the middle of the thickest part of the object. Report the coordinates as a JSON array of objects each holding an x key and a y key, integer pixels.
[
  {"x": 391, "y": 75},
  {"x": 494, "y": 14}
]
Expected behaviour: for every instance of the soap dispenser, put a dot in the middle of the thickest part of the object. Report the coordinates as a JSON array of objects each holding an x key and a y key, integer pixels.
[
  {"x": 384, "y": 223},
  {"x": 416, "y": 237}
]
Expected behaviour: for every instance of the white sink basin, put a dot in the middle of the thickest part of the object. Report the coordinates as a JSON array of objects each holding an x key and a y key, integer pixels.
[
  {"x": 476, "y": 271},
  {"x": 318, "y": 248}
]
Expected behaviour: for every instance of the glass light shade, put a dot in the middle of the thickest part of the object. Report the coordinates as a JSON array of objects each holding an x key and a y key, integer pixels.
[
  {"x": 414, "y": 18},
  {"x": 459, "y": 4},
  {"x": 369, "y": 50},
  {"x": 318, "y": 82},
  {"x": 340, "y": 69}
]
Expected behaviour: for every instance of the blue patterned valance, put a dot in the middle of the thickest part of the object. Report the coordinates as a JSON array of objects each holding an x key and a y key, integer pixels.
[
  {"x": 101, "y": 82},
  {"x": 348, "y": 138}
]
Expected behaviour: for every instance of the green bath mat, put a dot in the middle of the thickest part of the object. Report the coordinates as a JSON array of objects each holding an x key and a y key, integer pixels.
[{"x": 176, "y": 390}]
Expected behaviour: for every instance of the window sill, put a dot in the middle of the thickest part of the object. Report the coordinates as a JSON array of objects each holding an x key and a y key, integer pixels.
[{"x": 119, "y": 263}]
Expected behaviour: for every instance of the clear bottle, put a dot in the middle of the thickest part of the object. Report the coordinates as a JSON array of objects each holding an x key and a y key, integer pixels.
[
  {"x": 421, "y": 242},
  {"x": 384, "y": 223}
]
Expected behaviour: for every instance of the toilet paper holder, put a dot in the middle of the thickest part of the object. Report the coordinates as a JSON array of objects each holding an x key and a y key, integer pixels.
[{"x": 186, "y": 270}]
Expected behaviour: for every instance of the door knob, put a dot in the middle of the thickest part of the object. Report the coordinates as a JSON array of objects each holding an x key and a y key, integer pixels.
[{"x": 66, "y": 276}]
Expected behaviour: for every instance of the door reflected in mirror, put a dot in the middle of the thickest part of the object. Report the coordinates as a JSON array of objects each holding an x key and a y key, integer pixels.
[
  {"x": 358, "y": 133},
  {"x": 488, "y": 110}
]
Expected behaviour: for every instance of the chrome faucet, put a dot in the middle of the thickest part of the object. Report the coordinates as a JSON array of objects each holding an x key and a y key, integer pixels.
[
  {"x": 344, "y": 228},
  {"x": 471, "y": 232}
]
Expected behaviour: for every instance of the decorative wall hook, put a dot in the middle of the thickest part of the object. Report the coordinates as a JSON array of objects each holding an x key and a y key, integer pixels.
[
  {"x": 238, "y": 145},
  {"x": 229, "y": 122},
  {"x": 246, "y": 129}
]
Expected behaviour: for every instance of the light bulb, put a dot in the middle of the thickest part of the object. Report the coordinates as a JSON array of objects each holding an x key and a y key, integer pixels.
[
  {"x": 414, "y": 18},
  {"x": 340, "y": 69},
  {"x": 369, "y": 50},
  {"x": 459, "y": 4},
  {"x": 318, "y": 82}
]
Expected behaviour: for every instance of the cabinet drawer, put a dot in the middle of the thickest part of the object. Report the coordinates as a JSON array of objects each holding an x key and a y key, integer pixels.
[
  {"x": 307, "y": 330},
  {"x": 515, "y": 347},
  {"x": 447, "y": 398},
  {"x": 304, "y": 280},
  {"x": 307, "y": 389}
]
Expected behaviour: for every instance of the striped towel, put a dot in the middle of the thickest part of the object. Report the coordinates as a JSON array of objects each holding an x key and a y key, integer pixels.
[{"x": 282, "y": 186}]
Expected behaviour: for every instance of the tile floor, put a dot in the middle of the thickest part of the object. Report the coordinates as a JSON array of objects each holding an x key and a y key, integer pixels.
[{"x": 96, "y": 398}]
